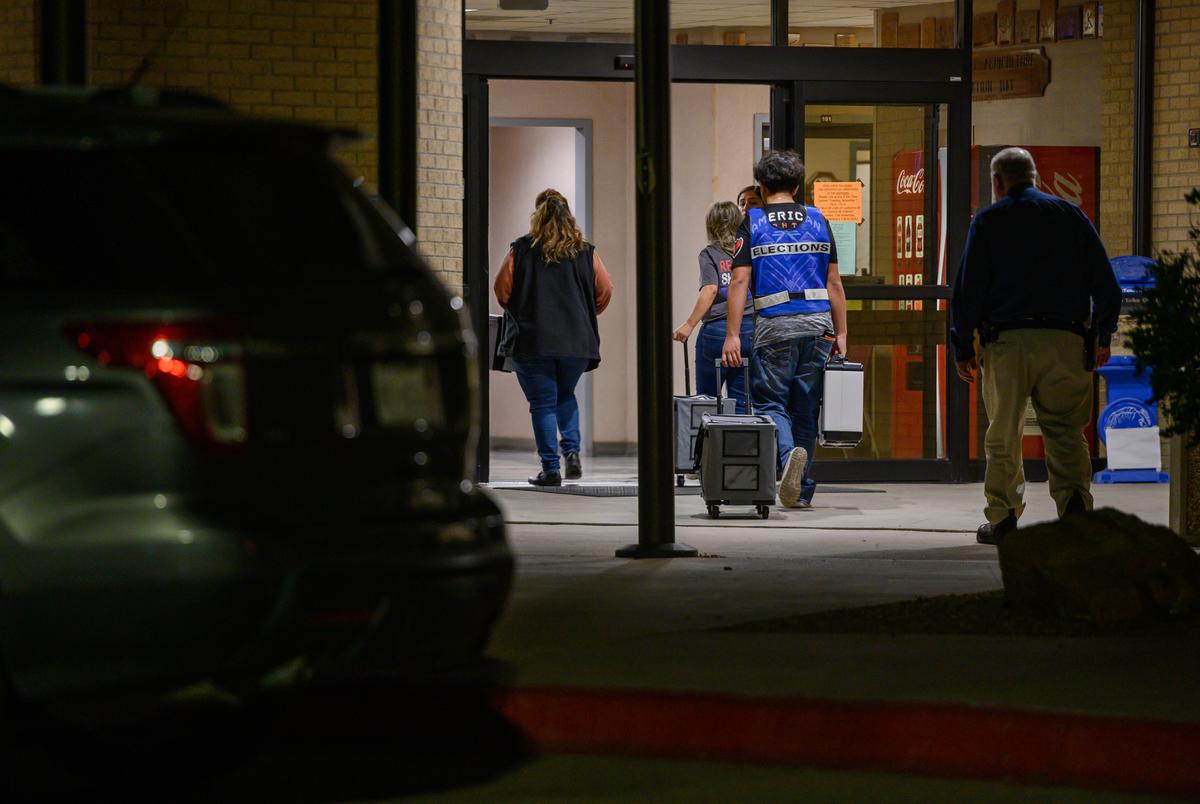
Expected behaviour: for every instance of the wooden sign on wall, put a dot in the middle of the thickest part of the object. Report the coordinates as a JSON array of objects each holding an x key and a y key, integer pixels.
[
  {"x": 1006, "y": 21},
  {"x": 1046, "y": 20},
  {"x": 1091, "y": 19},
  {"x": 1069, "y": 23},
  {"x": 1027, "y": 27},
  {"x": 929, "y": 32},
  {"x": 945, "y": 32},
  {"x": 1010, "y": 73},
  {"x": 983, "y": 29},
  {"x": 889, "y": 29}
]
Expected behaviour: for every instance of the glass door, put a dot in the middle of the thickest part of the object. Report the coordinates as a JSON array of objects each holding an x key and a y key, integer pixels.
[{"x": 889, "y": 260}]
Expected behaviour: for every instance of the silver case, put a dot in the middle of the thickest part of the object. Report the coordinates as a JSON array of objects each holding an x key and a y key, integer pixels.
[{"x": 841, "y": 421}]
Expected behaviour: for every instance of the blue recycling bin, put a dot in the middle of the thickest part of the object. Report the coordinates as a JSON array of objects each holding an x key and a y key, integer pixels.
[
  {"x": 1130, "y": 398},
  {"x": 1134, "y": 274}
]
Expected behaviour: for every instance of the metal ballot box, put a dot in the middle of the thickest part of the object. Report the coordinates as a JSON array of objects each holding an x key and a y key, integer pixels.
[{"x": 841, "y": 420}]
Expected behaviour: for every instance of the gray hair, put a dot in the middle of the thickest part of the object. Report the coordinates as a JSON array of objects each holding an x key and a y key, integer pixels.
[{"x": 1015, "y": 166}]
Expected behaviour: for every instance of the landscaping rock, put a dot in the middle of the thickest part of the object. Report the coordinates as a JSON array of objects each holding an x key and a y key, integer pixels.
[{"x": 1104, "y": 567}]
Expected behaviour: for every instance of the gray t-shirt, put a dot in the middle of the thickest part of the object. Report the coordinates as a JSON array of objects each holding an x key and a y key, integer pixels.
[
  {"x": 716, "y": 268},
  {"x": 773, "y": 329}
]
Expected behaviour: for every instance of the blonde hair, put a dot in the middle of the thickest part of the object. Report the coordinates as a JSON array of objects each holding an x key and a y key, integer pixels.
[
  {"x": 722, "y": 224},
  {"x": 553, "y": 227}
]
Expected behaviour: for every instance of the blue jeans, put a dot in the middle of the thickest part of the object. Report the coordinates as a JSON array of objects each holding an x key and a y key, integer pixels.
[
  {"x": 708, "y": 351},
  {"x": 788, "y": 379},
  {"x": 549, "y": 385}
]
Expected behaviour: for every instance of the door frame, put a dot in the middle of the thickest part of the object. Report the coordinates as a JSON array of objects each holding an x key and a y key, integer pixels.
[
  {"x": 875, "y": 76},
  {"x": 583, "y": 215}
]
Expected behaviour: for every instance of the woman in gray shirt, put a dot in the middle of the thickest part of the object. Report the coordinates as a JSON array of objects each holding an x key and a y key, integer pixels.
[{"x": 716, "y": 267}]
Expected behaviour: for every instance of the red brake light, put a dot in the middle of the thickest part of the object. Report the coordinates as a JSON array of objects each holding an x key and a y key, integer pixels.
[{"x": 196, "y": 366}]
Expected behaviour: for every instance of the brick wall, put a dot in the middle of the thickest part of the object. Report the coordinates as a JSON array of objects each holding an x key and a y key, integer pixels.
[
  {"x": 18, "y": 41},
  {"x": 440, "y": 137},
  {"x": 312, "y": 61},
  {"x": 1176, "y": 167},
  {"x": 1176, "y": 108},
  {"x": 1116, "y": 116}
]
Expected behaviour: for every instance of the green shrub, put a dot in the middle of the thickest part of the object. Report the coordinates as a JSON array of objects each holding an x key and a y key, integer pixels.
[{"x": 1166, "y": 334}]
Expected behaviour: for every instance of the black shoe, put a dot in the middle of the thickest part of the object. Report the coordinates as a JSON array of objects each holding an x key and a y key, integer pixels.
[
  {"x": 546, "y": 479},
  {"x": 992, "y": 533},
  {"x": 574, "y": 469},
  {"x": 1075, "y": 505}
]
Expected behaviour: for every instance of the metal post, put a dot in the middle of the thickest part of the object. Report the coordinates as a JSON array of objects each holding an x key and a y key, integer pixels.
[
  {"x": 958, "y": 205},
  {"x": 63, "y": 41},
  {"x": 656, "y": 464},
  {"x": 797, "y": 133},
  {"x": 476, "y": 133},
  {"x": 964, "y": 11},
  {"x": 779, "y": 23},
  {"x": 398, "y": 108},
  {"x": 1143, "y": 127},
  {"x": 929, "y": 312},
  {"x": 781, "y": 110},
  {"x": 783, "y": 99}
]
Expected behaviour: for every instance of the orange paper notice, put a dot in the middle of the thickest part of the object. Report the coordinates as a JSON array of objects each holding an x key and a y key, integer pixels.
[{"x": 839, "y": 200}]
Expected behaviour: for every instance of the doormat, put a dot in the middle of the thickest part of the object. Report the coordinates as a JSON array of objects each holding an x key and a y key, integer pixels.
[{"x": 631, "y": 489}]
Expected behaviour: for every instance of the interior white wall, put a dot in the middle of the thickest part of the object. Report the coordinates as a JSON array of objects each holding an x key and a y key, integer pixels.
[
  {"x": 694, "y": 172},
  {"x": 524, "y": 160},
  {"x": 734, "y": 107},
  {"x": 712, "y": 158}
]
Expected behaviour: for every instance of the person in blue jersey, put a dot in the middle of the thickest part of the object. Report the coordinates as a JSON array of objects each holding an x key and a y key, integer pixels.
[
  {"x": 716, "y": 270},
  {"x": 785, "y": 253}
]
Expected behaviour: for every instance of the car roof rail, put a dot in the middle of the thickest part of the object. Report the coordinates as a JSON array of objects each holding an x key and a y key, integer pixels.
[{"x": 162, "y": 98}]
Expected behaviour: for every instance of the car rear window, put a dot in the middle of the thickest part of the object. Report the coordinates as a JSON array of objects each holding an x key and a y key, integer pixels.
[{"x": 180, "y": 217}]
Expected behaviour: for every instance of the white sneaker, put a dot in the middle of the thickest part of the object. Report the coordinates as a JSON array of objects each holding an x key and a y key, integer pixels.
[{"x": 793, "y": 479}]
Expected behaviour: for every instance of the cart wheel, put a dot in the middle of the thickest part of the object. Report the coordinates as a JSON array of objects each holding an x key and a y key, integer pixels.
[
  {"x": 764, "y": 511},
  {"x": 679, "y": 480},
  {"x": 714, "y": 512}
]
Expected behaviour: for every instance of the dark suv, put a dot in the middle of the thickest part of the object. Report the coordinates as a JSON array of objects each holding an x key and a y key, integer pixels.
[{"x": 235, "y": 409}]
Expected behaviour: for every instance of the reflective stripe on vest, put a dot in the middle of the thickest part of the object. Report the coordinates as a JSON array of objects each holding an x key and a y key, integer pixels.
[{"x": 783, "y": 297}]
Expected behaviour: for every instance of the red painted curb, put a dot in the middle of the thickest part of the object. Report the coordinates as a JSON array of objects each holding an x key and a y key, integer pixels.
[{"x": 1045, "y": 748}]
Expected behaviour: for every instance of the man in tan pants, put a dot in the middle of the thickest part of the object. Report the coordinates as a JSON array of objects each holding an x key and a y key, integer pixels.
[{"x": 1036, "y": 283}]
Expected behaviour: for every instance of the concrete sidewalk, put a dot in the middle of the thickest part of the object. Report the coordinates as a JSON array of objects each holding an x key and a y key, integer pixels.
[{"x": 581, "y": 617}]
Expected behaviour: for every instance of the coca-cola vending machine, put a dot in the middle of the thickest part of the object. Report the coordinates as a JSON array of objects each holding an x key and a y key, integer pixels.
[
  {"x": 908, "y": 389},
  {"x": 908, "y": 211}
]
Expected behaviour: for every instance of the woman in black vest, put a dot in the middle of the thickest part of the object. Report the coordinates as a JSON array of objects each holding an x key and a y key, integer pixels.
[{"x": 554, "y": 284}]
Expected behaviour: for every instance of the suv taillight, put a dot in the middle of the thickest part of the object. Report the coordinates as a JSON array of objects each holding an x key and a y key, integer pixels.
[{"x": 197, "y": 367}]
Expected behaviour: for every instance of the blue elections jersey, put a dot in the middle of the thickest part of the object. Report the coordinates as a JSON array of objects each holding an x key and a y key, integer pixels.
[{"x": 788, "y": 248}]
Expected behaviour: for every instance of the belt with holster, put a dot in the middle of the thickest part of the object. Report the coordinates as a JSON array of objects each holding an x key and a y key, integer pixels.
[{"x": 989, "y": 332}]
